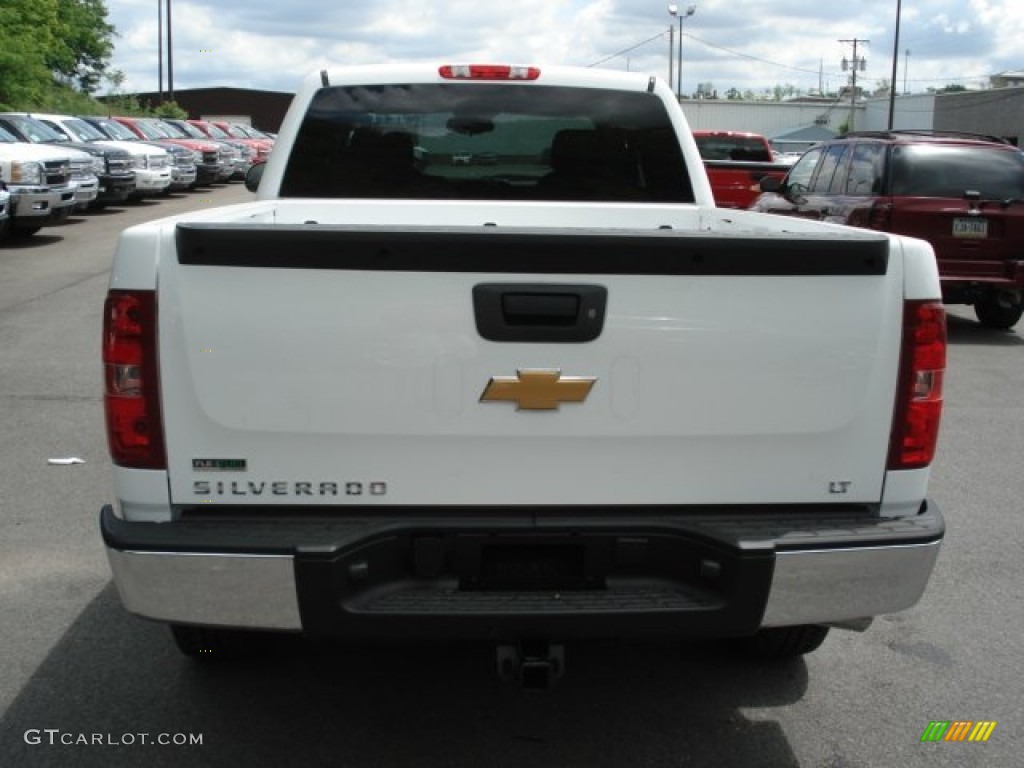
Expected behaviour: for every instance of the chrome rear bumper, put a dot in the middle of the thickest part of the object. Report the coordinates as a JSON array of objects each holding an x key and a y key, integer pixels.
[{"x": 677, "y": 575}]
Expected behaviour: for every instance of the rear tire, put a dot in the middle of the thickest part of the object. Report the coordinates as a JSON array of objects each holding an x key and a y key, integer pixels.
[
  {"x": 992, "y": 314},
  {"x": 781, "y": 643}
]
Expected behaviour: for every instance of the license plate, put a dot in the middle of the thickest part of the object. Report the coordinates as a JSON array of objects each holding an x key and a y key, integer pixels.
[{"x": 976, "y": 228}]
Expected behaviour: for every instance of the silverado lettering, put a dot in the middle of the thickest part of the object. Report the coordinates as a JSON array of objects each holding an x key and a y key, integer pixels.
[
  {"x": 739, "y": 448},
  {"x": 285, "y": 488}
]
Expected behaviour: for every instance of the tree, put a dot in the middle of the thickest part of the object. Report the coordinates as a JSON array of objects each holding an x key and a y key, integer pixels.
[
  {"x": 26, "y": 38},
  {"x": 170, "y": 109},
  {"x": 117, "y": 101},
  {"x": 84, "y": 45},
  {"x": 51, "y": 47},
  {"x": 780, "y": 92}
]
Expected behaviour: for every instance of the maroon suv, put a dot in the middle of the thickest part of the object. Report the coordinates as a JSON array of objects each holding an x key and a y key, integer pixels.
[{"x": 963, "y": 193}]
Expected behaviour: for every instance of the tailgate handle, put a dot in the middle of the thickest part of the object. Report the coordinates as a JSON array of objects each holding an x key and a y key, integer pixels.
[
  {"x": 539, "y": 312},
  {"x": 540, "y": 308}
]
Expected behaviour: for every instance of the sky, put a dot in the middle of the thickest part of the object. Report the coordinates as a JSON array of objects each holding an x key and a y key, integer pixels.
[{"x": 744, "y": 44}]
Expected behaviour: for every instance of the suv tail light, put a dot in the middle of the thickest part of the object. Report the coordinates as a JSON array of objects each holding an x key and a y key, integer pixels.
[
  {"x": 487, "y": 72},
  {"x": 131, "y": 395},
  {"x": 919, "y": 398}
]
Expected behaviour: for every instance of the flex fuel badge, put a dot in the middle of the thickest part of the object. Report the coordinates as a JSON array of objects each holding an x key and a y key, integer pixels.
[{"x": 219, "y": 465}]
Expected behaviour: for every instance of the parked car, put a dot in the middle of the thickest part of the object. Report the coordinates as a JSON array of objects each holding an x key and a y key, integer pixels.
[
  {"x": 118, "y": 182},
  {"x": 182, "y": 161},
  {"x": 736, "y": 162},
  {"x": 963, "y": 193},
  {"x": 38, "y": 183},
  {"x": 87, "y": 162},
  {"x": 247, "y": 151},
  {"x": 210, "y": 165},
  {"x": 5, "y": 206},
  {"x": 261, "y": 145},
  {"x": 234, "y": 164}
]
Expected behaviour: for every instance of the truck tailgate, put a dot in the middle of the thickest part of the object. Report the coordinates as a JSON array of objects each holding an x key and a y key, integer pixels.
[{"x": 333, "y": 365}]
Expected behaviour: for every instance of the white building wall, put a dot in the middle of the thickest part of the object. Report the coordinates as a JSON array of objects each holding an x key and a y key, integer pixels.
[
  {"x": 771, "y": 118},
  {"x": 764, "y": 117},
  {"x": 911, "y": 112}
]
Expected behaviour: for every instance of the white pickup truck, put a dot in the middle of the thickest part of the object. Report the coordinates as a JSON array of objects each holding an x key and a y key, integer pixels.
[{"x": 552, "y": 394}]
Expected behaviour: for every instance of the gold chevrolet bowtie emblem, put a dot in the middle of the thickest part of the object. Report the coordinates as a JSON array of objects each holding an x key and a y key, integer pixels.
[{"x": 537, "y": 390}]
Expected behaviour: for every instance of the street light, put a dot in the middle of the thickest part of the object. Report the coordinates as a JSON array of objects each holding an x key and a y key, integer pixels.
[
  {"x": 895, "y": 62},
  {"x": 673, "y": 10},
  {"x": 160, "y": 48}
]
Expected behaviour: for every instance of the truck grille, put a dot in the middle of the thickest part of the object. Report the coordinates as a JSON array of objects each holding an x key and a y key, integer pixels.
[
  {"x": 184, "y": 160},
  {"x": 58, "y": 172},
  {"x": 119, "y": 166},
  {"x": 157, "y": 162},
  {"x": 81, "y": 169},
  {"x": 210, "y": 157}
]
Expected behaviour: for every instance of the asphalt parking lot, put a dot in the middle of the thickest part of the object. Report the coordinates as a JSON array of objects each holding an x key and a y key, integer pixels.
[{"x": 74, "y": 666}]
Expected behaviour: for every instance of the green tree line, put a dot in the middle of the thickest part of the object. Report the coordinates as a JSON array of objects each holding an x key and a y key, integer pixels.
[{"x": 54, "y": 54}]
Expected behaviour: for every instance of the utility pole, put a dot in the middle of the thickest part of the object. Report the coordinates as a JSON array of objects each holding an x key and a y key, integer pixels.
[{"x": 858, "y": 63}]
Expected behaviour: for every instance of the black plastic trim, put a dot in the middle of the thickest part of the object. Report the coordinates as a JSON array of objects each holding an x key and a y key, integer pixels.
[
  {"x": 539, "y": 312},
  {"x": 492, "y": 250},
  {"x": 284, "y": 529}
]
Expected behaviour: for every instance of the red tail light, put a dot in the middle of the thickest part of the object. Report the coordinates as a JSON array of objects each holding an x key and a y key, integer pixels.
[
  {"x": 487, "y": 72},
  {"x": 131, "y": 388},
  {"x": 919, "y": 399}
]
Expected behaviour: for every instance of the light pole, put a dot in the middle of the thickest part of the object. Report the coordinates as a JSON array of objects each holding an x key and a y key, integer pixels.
[
  {"x": 673, "y": 10},
  {"x": 170, "y": 56},
  {"x": 160, "y": 48},
  {"x": 671, "y": 53},
  {"x": 895, "y": 63}
]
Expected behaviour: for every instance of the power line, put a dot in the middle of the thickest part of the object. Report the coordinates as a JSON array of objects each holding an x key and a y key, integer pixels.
[
  {"x": 628, "y": 50},
  {"x": 779, "y": 65}
]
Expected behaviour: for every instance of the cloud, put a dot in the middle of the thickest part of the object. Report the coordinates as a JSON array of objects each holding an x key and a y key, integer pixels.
[{"x": 273, "y": 44}]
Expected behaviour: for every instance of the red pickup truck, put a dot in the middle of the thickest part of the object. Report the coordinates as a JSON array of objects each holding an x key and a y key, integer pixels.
[{"x": 736, "y": 162}]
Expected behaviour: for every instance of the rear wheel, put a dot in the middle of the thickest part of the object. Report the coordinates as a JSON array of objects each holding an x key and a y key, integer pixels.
[
  {"x": 780, "y": 643},
  {"x": 993, "y": 314}
]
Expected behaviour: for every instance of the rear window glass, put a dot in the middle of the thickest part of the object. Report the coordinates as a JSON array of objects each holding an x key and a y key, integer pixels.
[
  {"x": 950, "y": 171},
  {"x": 740, "y": 148},
  {"x": 486, "y": 141}
]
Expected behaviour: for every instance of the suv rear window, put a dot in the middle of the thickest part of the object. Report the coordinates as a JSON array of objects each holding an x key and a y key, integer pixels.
[
  {"x": 486, "y": 141},
  {"x": 948, "y": 170}
]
